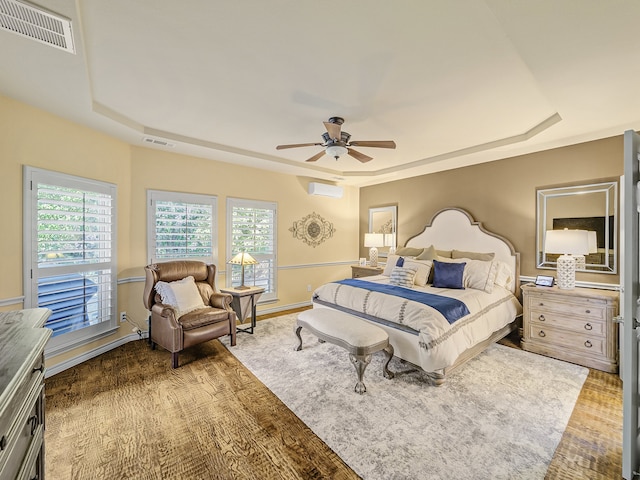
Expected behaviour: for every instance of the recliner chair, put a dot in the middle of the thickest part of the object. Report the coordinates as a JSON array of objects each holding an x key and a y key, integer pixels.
[{"x": 175, "y": 333}]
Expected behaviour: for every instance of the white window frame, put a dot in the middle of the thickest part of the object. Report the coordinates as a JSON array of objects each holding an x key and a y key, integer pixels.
[
  {"x": 67, "y": 341},
  {"x": 233, "y": 203},
  {"x": 154, "y": 196}
]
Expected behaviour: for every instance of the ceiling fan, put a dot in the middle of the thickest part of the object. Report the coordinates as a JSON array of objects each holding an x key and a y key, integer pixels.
[{"x": 337, "y": 143}]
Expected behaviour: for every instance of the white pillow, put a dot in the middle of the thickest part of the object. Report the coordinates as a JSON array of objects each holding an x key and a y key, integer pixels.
[
  {"x": 402, "y": 276},
  {"x": 423, "y": 267},
  {"x": 503, "y": 276},
  {"x": 391, "y": 263},
  {"x": 480, "y": 275},
  {"x": 183, "y": 295}
]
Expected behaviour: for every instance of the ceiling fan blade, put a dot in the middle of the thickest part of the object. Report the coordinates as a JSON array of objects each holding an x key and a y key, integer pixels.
[
  {"x": 375, "y": 143},
  {"x": 315, "y": 157},
  {"x": 333, "y": 129},
  {"x": 296, "y": 145},
  {"x": 359, "y": 156}
]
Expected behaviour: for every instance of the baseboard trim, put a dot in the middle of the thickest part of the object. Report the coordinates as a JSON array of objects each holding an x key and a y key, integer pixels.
[
  {"x": 83, "y": 357},
  {"x": 267, "y": 311}
]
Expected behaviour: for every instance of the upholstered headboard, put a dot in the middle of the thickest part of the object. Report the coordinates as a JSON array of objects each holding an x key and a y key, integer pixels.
[{"x": 454, "y": 228}]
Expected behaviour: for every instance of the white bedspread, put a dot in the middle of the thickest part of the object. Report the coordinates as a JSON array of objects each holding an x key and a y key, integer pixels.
[{"x": 439, "y": 343}]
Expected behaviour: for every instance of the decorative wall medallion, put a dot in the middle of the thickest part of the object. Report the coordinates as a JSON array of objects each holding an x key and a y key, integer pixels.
[{"x": 312, "y": 229}]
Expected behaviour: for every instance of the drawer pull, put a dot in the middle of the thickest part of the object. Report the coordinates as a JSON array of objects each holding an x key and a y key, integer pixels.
[
  {"x": 588, "y": 311},
  {"x": 33, "y": 420},
  {"x": 39, "y": 369},
  {"x": 588, "y": 344},
  {"x": 3, "y": 442},
  {"x": 588, "y": 326},
  {"x": 541, "y": 304},
  {"x": 541, "y": 318},
  {"x": 542, "y": 334}
]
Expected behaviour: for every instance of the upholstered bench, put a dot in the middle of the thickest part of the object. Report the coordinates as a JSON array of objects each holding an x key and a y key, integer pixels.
[{"x": 358, "y": 337}]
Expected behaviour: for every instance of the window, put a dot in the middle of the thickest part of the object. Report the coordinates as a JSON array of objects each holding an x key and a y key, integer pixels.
[
  {"x": 181, "y": 226},
  {"x": 251, "y": 228},
  {"x": 70, "y": 255}
]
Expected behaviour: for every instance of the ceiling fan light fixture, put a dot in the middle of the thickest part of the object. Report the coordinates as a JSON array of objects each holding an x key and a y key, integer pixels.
[{"x": 335, "y": 151}]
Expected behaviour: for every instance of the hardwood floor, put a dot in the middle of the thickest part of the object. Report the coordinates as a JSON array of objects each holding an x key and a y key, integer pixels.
[{"x": 120, "y": 415}]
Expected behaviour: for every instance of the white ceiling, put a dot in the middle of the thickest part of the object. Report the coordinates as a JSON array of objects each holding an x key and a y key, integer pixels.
[{"x": 453, "y": 83}]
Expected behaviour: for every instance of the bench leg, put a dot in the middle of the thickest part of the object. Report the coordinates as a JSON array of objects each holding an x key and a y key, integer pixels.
[
  {"x": 388, "y": 351},
  {"x": 360, "y": 362},
  {"x": 296, "y": 330}
]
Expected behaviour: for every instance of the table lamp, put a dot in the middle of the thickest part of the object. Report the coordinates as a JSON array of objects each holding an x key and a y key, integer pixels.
[
  {"x": 243, "y": 259},
  {"x": 581, "y": 261},
  {"x": 567, "y": 243},
  {"x": 373, "y": 240}
]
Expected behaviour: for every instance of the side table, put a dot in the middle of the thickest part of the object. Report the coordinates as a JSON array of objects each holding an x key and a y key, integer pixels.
[
  {"x": 244, "y": 304},
  {"x": 358, "y": 271}
]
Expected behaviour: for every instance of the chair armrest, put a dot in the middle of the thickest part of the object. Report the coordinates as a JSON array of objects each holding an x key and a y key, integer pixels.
[
  {"x": 166, "y": 311},
  {"x": 221, "y": 300}
]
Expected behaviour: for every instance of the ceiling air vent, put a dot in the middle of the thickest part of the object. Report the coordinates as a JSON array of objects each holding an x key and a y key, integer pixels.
[
  {"x": 37, "y": 24},
  {"x": 161, "y": 143}
]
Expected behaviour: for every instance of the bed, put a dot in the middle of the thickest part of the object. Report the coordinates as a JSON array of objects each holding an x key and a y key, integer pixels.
[{"x": 443, "y": 298}]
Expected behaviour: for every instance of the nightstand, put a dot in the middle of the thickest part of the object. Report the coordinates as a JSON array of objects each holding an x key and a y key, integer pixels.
[
  {"x": 358, "y": 271},
  {"x": 244, "y": 304},
  {"x": 573, "y": 325}
]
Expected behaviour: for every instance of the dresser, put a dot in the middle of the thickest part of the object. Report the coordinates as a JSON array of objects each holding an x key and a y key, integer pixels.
[
  {"x": 22, "y": 341},
  {"x": 358, "y": 271},
  {"x": 573, "y": 325}
]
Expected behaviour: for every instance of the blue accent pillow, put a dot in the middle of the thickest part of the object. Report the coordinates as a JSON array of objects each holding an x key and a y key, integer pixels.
[
  {"x": 448, "y": 275},
  {"x": 400, "y": 262}
]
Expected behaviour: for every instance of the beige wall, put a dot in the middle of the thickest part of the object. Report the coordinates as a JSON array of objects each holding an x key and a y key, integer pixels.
[
  {"x": 29, "y": 136},
  {"x": 500, "y": 194}
]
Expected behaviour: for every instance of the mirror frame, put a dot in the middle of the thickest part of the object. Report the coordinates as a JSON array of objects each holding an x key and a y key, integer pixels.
[
  {"x": 610, "y": 189},
  {"x": 374, "y": 223}
]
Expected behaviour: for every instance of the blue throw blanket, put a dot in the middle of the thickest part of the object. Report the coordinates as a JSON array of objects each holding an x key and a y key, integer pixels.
[{"x": 451, "y": 308}]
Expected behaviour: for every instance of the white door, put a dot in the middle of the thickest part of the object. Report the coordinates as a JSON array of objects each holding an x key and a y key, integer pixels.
[{"x": 630, "y": 307}]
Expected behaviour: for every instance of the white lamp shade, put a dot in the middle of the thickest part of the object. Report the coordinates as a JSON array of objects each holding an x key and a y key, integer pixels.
[
  {"x": 374, "y": 240},
  {"x": 569, "y": 242}
]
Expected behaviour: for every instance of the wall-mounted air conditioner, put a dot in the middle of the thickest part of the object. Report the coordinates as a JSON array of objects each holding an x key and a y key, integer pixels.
[{"x": 325, "y": 190}]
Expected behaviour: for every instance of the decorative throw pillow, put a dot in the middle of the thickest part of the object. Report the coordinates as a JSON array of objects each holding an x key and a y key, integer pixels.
[
  {"x": 182, "y": 295},
  {"x": 402, "y": 276},
  {"x": 423, "y": 268},
  {"x": 448, "y": 275},
  {"x": 473, "y": 255}
]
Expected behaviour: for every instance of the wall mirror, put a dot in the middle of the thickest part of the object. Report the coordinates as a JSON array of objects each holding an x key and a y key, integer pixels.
[
  {"x": 592, "y": 207},
  {"x": 383, "y": 220}
]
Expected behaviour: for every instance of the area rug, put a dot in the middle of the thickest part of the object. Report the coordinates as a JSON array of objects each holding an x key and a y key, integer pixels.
[{"x": 500, "y": 416}]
